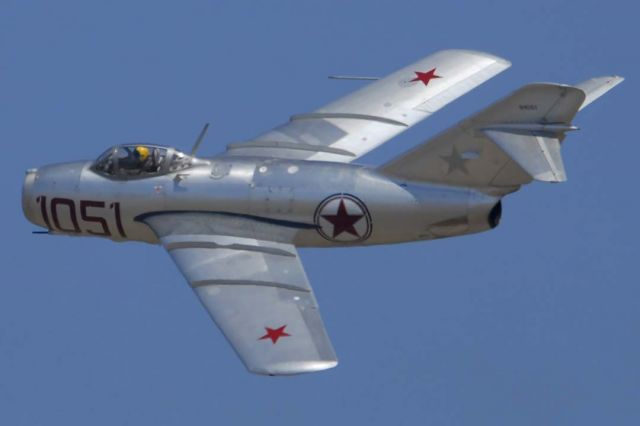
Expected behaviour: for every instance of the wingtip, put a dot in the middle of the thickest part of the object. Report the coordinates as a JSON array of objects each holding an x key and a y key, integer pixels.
[
  {"x": 294, "y": 367},
  {"x": 498, "y": 59}
]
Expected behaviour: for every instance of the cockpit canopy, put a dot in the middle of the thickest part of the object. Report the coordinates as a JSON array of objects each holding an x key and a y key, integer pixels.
[{"x": 140, "y": 160}]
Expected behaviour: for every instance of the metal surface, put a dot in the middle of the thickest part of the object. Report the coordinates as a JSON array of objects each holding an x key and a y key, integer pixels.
[{"x": 232, "y": 223}]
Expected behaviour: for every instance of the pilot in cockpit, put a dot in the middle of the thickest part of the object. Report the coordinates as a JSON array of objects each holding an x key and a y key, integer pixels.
[
  {"x": 141, "y": 153},
  {"x": 133, "y": 161},
  {"x": 139, "y": 160}
]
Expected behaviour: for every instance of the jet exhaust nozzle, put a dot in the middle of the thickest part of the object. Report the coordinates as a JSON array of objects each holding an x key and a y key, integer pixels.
[{"x": 495, "y": 214}]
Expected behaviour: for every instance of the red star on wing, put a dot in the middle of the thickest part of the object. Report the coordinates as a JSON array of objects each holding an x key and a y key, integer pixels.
[
  {"x": 342, "y": 221},
  {"x": 425, "y": 77},
  {"x": 274, "y": 334}
]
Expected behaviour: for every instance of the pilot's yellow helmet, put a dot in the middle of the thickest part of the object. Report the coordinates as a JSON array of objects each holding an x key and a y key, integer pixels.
[{"x": 142, "y": 152}]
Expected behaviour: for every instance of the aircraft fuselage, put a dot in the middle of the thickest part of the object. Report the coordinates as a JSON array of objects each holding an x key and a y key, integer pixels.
[{"x": 323, "y": 203}]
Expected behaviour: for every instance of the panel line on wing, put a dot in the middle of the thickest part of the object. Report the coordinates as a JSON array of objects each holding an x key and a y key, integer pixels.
[
  {"x": 291, "y": 145},
  {"x": 347, "y": 115},
  {"x": 255, "y": 283},
  {"x": 211, "y": 245}
]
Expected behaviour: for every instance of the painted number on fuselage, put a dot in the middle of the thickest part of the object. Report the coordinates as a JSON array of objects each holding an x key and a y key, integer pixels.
[{"x": 91, "y": 213}]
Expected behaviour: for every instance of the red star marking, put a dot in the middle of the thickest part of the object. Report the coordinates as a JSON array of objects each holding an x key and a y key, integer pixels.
[
  {"x": 425, "y": 77},
  {"x": 274, "y": 334},
  {"x": 343, "y": 221}
]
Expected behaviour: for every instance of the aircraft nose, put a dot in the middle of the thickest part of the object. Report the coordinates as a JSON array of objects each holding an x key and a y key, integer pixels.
[
  {"x": 45, "y": 183},
  {"x": 28, "y": 200}
]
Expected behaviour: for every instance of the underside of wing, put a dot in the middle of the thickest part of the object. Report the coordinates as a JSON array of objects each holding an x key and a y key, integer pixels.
[
  {"x": 357, "y": 123},
  {"x": 255, "y": 290}
]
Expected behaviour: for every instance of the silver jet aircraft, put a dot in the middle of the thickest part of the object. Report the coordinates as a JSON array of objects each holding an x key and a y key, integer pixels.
[{"x": 233, "y": 223}]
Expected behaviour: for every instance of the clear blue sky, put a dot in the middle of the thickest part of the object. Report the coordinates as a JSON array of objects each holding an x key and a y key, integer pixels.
[{"x": 534, "y": 323}]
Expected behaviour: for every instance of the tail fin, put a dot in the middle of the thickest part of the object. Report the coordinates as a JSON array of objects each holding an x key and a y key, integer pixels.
[{"x": 508, "y": 144}]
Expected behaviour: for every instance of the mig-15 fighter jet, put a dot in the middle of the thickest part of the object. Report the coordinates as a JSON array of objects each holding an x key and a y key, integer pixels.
[{"x": 232, "y": 223}]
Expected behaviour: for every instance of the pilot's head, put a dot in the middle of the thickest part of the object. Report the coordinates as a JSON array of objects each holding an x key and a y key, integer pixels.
[{"x": 141, "y": 153}]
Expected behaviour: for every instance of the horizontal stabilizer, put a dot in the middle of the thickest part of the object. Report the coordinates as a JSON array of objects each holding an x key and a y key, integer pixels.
[{"x": 596, "y": 87}]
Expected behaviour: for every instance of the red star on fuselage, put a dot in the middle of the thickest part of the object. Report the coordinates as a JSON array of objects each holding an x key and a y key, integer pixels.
[
  {"x": 425, "y": 77},
  {"x": 274, "y": 334},
  {"x": 342, "y": 221}
]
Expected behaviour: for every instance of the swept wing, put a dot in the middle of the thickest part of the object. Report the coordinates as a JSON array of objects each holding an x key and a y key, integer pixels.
[
  {"x": 252, "y": 283},
  {"x": 357, "y": 123}
]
